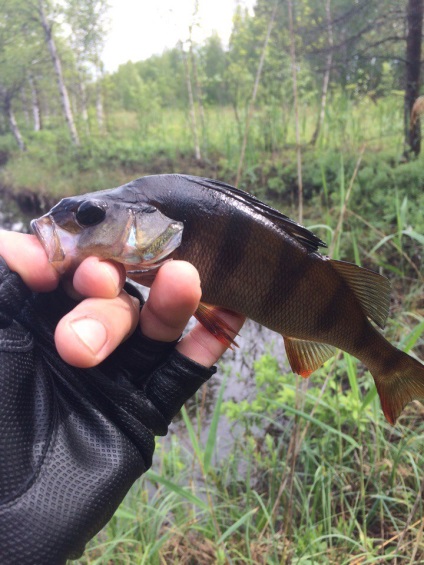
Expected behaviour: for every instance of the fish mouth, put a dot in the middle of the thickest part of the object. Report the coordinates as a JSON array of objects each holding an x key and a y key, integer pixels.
[{"x": 45, "y": 230}]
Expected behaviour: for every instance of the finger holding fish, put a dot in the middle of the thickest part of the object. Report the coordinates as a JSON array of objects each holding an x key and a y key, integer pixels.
[
  {"x": 95, "y": 277},
  {"x": 105, "y": 315},
  {"x": 94, "y": 328},
  {"x": 25, "y": 255},
  {"x": 201, "y": 346}
]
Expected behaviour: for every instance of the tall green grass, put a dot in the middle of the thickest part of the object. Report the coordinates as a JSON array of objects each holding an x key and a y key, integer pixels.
[
  {"x": 357, "y": 483},
  {"x": 161, "y": 141}
]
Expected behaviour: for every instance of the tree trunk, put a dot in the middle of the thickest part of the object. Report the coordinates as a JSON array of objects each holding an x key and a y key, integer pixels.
[
  {"x": 254, "y": 94},
  {"x": 198, "y": 94},
  {"x": 59, "y": 74},
  {"x": 325, "y": 82},
  {"x": 13, "y": 125},
  {"x": 25, "y": 107},
  {"x": 296, "y": 110},
  {"x": 36, "y": 113},
  {"x": 192, "y": 109},
  {"x": 415, "y": 12},
  {"x": 99, "y": 98}
]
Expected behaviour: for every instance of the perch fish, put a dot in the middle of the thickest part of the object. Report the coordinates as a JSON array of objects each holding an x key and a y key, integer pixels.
[{"x": 251, "y": 259}]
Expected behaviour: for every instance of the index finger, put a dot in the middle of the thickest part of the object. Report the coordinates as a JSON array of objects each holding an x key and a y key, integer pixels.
[
  {"x": 25, "y": 255},
  {"x": 201, "y": 346}
]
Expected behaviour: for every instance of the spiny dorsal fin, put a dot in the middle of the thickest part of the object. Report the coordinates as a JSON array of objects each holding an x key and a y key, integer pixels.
[
  {"x": 309, "y": 240},
  {"x": 306, "y": 356},
  {"x": 371, "y": 289}
]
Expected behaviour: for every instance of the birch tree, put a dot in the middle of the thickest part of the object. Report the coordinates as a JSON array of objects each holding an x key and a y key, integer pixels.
[
  {"x": 45, "y": 13},
  {"x": 88, "y": 21},
  {"x": 19, "y": 51}
]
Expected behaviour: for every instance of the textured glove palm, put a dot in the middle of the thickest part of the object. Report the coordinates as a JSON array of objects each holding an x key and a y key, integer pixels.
[{"x": 72, "y": 441}]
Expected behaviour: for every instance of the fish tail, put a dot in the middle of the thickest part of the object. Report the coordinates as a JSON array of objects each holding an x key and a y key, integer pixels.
[{"x": 398, "y": 383}]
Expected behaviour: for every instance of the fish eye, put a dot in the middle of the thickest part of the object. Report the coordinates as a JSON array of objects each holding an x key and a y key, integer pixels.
[{"x": 90, "y": 213}]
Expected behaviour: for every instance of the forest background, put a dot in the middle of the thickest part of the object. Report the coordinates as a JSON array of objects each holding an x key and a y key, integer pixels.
[{"x": 309, "y": 107}]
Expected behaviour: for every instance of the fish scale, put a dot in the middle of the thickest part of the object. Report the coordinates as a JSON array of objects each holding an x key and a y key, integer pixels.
[{"x": 251, "y": 259}]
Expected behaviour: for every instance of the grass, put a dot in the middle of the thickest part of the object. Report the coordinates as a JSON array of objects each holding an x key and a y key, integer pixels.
[
  {"x": 160, "y": 141},
  {"x": 357, "y": 482}
]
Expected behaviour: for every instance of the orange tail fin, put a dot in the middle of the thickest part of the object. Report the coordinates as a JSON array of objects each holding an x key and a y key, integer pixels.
[{"x": 403, "y": 382}]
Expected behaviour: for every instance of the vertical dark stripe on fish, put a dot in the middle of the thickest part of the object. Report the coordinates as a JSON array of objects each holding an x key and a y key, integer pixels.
[
  {"x": 232, "y": 249},
  {"x": 288, "y": 273},
  {"x": 327, "y": 316}
]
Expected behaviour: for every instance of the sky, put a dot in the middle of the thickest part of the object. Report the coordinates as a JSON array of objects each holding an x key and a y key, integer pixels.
[{"x": 141, "y": 28}]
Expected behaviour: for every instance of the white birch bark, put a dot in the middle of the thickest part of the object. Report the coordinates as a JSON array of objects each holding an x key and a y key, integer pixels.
[
  {"x": 36, "y": 112},
  {"x": 14, "y": 128},
  {"x": 192, "y": 109},
  {"x": 66, "y": 105}
]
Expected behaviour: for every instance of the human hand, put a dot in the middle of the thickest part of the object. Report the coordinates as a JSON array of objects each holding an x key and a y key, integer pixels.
[
  {"x": 73, "y": 439},
  {"x": 106, "y": 314}
]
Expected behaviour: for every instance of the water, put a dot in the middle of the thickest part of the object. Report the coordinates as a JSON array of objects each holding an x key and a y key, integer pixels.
[
  {"x": 9, "y": 217},
  {"x": 254, "y": 341}
]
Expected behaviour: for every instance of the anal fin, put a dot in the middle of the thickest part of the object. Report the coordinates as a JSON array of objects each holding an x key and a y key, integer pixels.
[
  {"x": 209, "y": 317},
  {"x": 306, "y": 356}
]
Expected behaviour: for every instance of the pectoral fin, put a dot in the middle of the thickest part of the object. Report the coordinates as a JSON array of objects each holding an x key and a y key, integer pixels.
[
  {"x": 306, "y": 356},
  {"x": 209, "y": 317}
]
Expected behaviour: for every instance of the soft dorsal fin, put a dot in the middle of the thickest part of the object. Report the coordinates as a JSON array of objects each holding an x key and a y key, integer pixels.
[
  {"x": 371, "y": 289},
  {"x": 309, "y": 240},
  {"x": 306, "y": 356}
]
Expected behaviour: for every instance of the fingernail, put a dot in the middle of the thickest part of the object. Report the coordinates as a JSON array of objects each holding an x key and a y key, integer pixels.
[
  {"x": 90, "y": 332},
  {"x": 116, "y": 277}
]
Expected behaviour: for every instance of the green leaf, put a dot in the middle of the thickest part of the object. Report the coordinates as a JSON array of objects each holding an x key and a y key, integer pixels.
[
  {"x": 318, "y": 423},
  {"x": 192, "y": 434},
  {"x": 414, "y": 235},
  {"x": 236, "y": 526},
  {"x": 213, "y": 428},
  {"x": 413, "y": 337},
  {"x": 177, "y": 489}
]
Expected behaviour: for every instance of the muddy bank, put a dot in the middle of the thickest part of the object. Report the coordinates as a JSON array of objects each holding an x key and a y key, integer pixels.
[{"x": 20, "y": 207}]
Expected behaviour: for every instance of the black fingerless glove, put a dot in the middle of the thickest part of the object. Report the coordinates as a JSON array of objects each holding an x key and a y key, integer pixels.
[{"x": 73, "y": 441}]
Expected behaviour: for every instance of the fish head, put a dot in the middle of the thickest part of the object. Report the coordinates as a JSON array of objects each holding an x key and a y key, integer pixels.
[{"x": 135, "y": 234}]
